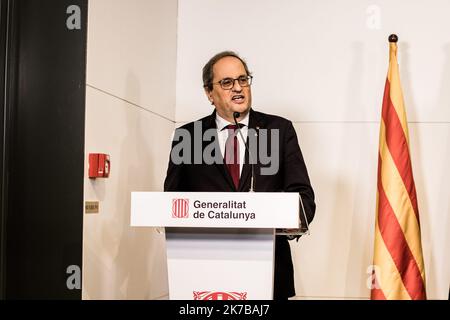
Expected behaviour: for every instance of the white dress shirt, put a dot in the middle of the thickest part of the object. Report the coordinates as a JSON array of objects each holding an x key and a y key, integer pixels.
[{"x": 222, "y": 135}]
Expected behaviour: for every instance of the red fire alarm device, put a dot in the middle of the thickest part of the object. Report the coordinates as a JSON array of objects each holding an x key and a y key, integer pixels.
[{"x": 99, "y": 165}]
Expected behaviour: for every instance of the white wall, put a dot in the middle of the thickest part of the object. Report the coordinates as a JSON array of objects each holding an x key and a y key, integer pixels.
[
  {"x": 323, "y": 65},
  {"x": 130, "y": 108}
]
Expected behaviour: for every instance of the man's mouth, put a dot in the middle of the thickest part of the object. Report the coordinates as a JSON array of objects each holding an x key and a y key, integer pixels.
[{"x": 238, "y": 98}]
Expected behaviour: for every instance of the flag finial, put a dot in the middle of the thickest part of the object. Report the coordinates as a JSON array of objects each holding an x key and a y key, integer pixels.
[{"x": 393, "y": 38}]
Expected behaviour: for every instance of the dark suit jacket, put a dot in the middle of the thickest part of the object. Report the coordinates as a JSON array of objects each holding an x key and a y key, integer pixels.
[{"x": 292, "y": 176}]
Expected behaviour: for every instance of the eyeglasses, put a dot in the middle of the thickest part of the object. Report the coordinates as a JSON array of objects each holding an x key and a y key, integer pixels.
[{"x": 228, "y": 83}]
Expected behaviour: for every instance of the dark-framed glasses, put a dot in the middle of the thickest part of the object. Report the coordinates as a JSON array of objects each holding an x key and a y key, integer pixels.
[{"x": 228, "y": 83}]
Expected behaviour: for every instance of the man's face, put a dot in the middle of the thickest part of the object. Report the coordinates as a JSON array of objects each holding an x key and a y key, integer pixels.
[{"x": 237, "y": 99}]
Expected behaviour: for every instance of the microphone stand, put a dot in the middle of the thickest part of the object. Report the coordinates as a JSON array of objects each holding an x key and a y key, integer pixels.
[{"x": 252, "y": 180}]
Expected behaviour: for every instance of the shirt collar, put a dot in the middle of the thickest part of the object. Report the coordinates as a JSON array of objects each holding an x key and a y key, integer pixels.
[{"x": 222, "y": 123}]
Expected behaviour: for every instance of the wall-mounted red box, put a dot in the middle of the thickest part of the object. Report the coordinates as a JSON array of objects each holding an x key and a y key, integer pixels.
[{"x": 99, "y": 165}]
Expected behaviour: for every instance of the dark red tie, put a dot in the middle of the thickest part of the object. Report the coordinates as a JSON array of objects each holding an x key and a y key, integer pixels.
[{"x": 232, "y": 154}]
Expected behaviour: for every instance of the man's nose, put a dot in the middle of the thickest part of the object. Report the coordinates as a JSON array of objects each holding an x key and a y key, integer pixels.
[{"x": 236, "y": 86}]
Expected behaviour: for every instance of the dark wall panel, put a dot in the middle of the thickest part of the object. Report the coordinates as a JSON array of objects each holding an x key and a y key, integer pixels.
[
  {"x": 3, "y": 33},
  {"x": 45, "y": 210}
]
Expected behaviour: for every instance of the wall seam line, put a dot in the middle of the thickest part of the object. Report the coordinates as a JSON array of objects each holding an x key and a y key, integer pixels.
[{"x": 131, "y": 103}]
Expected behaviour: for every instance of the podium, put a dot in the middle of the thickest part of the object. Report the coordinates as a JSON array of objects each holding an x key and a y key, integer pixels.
[{"x": 220, "y": 246}]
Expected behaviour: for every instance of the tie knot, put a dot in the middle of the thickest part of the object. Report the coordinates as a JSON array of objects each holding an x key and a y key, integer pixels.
[{"x": 233, "y": 126}]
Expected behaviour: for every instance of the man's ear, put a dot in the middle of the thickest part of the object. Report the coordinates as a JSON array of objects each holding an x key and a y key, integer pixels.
[{"x": 209, "y": 95}]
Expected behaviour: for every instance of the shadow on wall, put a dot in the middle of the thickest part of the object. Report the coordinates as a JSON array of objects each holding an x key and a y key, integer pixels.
[
  {"x": 432, "y": 275},
  {"x": 129, "y": 261},
  {"x": 362, "y": 219},
  {"x": 125, "y": 262},
  {"x": 418, "y": 164},
  {"x": 135, "y": 259}
]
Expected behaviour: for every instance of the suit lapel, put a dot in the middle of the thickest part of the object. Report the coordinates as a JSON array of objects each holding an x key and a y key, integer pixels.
[{"x": 255, "y": 122}]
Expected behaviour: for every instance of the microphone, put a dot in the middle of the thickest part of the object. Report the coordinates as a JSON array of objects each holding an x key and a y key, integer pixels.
[{"x": 252, "y": 181}]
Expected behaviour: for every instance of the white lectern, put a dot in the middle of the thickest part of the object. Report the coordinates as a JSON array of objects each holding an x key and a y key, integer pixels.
[{"x": 220, "y": 246}]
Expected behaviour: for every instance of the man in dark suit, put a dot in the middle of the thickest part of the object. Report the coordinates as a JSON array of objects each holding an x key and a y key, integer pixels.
[{"x": 227, "y": 84}]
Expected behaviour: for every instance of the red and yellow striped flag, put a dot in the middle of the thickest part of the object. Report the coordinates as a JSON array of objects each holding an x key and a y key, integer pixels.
[{"x": 398, "y": 261}]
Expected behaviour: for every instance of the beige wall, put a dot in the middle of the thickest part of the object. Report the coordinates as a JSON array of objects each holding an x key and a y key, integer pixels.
[{"x": 130, "y": 107}]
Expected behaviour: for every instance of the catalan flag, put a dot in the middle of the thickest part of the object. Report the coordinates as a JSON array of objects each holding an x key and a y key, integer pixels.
[{"x": 398, "y": 260}]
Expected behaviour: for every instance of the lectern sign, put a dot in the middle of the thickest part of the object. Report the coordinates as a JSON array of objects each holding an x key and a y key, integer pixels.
[{"x": 215, "y": 209}]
